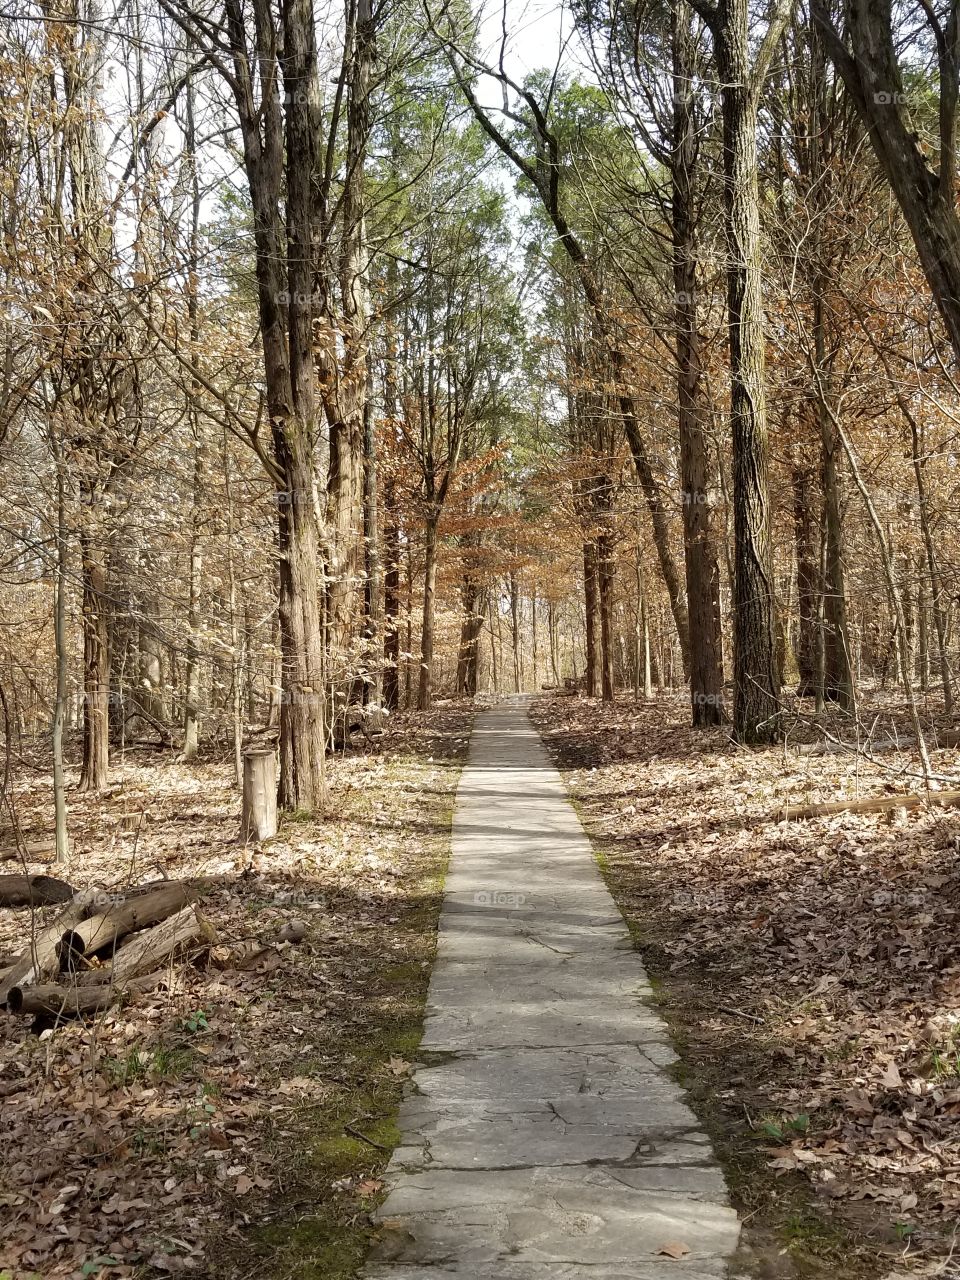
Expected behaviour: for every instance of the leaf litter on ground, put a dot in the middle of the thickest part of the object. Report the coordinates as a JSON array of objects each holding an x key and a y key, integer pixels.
[
  {"x": 812, "y": 969},
  {"x": 164, "y": 1136}
]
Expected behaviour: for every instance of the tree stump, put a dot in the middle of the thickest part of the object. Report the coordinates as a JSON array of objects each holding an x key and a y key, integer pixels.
[{"x": 259, "y": 815}]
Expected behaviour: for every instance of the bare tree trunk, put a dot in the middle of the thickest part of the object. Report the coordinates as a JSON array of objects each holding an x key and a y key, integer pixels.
[
  {"x": 927, "y": 199},
  {"x": 494, "y": 658},
  {"x": 425, "y": 690},
  {"x": 699, "y": 535},
  {"x": 373, "y": 667},
  {"x": 391, "y": 601},
  {"x": 515, "y": 640},
  {"x": 590, "y": 615},
  {"x": 94, "y": 772},
  {"x": 235, "y": 657},
  {"x": 60, "y": 642},
  {"x": 474, "y": 608},
  {"x": 804, "y": 528},
  {"x": 345, "y": 407},
  {"x": 191, "y": 714},
  {"x": 756, "y": 688}
]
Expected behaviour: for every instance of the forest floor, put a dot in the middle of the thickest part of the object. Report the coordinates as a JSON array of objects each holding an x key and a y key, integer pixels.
[
  {"x": 238, "y": 1123},
  {"x": 810, "y": 973}
]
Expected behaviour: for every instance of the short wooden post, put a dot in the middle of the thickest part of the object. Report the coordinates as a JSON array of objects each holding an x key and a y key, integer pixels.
[{"x": 258, "y": 819}]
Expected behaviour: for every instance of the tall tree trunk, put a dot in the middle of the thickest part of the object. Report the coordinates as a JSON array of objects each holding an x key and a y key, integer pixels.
[
  {"x": 699, "y": 536},
  {"x": 373, "y": 667},
  {"x": 590, "y": 615},
  {"x": 605, "y": 576},
  {"x": 804, "y": 531},
  {"x": 391, "y": 600},
  {"x": 425, "y": 689},
  {"x": 94, "y": 771},
  {"x": 756, "y": 689},
  {"x": 347, "y": 369},
  {"x": 471, "y": 628},
  {"x": 60, "y": 643},
  {"x": 927, "y": 199},
  {"x": 191, "y": 711},
  {"x": 515, "y": 641}
]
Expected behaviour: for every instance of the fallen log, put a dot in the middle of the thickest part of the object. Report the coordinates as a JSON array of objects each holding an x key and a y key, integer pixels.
[
  {"x": 33, "y": 891},
  {"x": 146, "y": 951},
  {"x": 31, "y": 851},
  {"x": 875, "y": 804},
  {"x": 107, "y": 927},
  {"x": 41, "y": 958},
  {"x": 70, "y": 1002}
]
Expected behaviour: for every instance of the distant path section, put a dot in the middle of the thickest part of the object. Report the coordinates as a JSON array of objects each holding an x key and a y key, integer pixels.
[{"x": 543, "y": 1135}]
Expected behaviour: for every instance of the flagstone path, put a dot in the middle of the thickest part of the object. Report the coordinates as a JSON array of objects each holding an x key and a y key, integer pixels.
[{"x": 543, "y": 1135}]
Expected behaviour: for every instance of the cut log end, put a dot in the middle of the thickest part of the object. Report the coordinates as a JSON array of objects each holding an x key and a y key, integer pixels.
[{"x": 258, "y": 819}]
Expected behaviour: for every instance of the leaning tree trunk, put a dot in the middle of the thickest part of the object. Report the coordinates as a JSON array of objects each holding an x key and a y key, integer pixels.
[
  {"x": 756, "y": 688},
  {"x": 927, "y": 199}
]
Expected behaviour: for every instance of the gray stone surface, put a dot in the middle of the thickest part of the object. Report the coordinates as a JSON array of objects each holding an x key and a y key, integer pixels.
[{"x": 542, "y": 1134}]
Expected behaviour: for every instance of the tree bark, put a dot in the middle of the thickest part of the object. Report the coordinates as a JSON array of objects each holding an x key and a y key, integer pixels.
[
  {"x": 590, "y": 616},
  {"x": 927, "y": 199},
  {"x": 94, "y": 770},
  {"x": 425, "y": 687},
  {"x": 756, "y": 689},
  {"x": 699, "y": 535},
  {"x": 805, "y": 541}
]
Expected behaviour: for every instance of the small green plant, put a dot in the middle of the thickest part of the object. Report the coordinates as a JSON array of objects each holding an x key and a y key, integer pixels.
[
  {"x": 94, "y": 1265},
  {"x": 944, "y": 1065},
  {"x": 780, "y": 1127},
  {"x": 170, "y": 1063},
  {"x": 196, "y": 1021},
  {"x": 125, "y": 1070},
  {"x": 147, "y": 1142}
]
